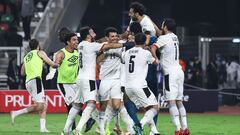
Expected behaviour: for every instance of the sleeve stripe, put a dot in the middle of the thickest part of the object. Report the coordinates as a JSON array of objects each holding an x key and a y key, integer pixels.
[{"x": 155, "y": 46}]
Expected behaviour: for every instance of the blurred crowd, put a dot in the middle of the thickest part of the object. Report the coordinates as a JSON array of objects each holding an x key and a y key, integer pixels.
[
  {"x": 12, "y": 12},
  {"x": 221, "y": 73}
]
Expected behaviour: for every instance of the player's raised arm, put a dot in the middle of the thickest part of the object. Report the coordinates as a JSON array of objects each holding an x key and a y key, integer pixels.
[
  {"x": 46, "y": 59},
  {"x": 158, "y": 31},
  {"x": 111, "y": 46}
]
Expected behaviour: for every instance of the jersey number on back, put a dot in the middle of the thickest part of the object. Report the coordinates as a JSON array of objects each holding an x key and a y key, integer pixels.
[
  {"x": 131, "y": 64},
  {"x": 176, "y": 51},
  {"x": 80, "y": 60}
]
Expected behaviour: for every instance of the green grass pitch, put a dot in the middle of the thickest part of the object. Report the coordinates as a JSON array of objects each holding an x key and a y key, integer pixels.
[{"x": 199, "y": 124}]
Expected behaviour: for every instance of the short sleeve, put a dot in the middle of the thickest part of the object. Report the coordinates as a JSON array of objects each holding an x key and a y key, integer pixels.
[
  {"x": 96, "y": 46},
  {"x": 160, "y": 42}
]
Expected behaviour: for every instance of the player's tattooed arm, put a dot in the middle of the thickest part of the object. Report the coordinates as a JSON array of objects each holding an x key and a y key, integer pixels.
[
  {"x": 59, "y": 57},
  {"x": 111, "y": 46},
  {"x": 100, "y": 57},
  {"x": 46, "y": 59}
]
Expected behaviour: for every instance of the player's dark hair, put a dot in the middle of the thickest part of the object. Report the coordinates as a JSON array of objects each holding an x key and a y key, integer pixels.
[
  {"x": 108, "y": 30},
  {"x": 62, "y": 33},
  {"x": 138, "y": 8},
  {"x": 84, "y": 31},
  {"x": 170, "y": 24},
  {"x": 33, "y": 44},
  {"x": 140, "y": 39},
  {"x": 135, "y": 27},
  {"x": 69, "y": 36}
]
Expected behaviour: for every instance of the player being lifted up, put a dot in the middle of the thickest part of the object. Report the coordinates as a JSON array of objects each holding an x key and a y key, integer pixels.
[
  {"x": 136, "y": 67},
  {"x": 173, "y": 75},
  {"x": 137, "y": 12},
  {"x": 32, "y": 68}
]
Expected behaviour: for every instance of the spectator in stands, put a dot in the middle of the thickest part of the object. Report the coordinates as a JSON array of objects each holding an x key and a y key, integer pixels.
[
  {"x": 238, "y": 78},
  {"x": 221, "y": 70},
  {"x": 2, "y": 39},
  {"x": 212, "y": 76},
  {"x": 27, "y": 12},
  {"x": 13, "y": 74},
  {"x": 190, "y": 78},
  {"x": 198, "y": 71},
  {"x": 15, "y": 8},
  {"x": 232, "y": 68},
  {"x": 40, "y": 4},
  {"x": 13, "y": 38}
]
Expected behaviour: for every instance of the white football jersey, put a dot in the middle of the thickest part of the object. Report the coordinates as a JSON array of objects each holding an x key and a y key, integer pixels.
[
  {"x": 87, "y": 59},
  {"x": 147, "y": 25},
  {"x": 110, "y": 67},
  {"x": 136, "y": 67},
  {"x": 123, "y": 74},
  {"x": 169, "y": 52}
]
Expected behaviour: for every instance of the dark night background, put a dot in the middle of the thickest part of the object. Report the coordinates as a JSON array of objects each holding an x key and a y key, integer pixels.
[{"x": 199, "y": 17}]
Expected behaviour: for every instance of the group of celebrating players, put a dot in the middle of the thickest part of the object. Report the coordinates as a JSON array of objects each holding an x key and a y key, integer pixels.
[{"x": 123, "y": 61}]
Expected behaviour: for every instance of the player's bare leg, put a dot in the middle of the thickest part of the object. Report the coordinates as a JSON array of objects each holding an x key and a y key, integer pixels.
[
  {"x": 42, "y": 115},
  {"x": 36, "y": 107}
]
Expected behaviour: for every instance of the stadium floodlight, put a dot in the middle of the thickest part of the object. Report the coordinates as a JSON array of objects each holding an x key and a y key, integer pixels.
[{"x": 236, "y": 40}]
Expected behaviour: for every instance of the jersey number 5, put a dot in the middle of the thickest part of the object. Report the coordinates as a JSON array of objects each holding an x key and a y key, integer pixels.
[{"x": 131, "y": 64}]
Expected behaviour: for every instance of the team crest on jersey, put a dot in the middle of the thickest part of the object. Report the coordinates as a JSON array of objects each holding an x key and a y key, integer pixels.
[
  {"x": 29, "y": 56},
  {"x": 73, "y": 59}
]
